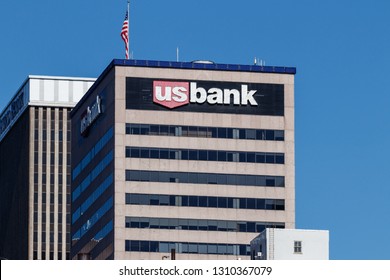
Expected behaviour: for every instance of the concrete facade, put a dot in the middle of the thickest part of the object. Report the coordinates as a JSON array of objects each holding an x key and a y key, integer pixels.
[{"x": 113, "y": 87}]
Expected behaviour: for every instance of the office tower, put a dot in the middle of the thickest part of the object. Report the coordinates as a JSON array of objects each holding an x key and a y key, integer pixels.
[
  {"x": 193, "y": 157},
  {"x": 35, "y": 168}
]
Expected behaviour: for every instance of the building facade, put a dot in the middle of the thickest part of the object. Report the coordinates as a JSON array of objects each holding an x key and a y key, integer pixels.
[
  {"x": 290, "y": 244},
  {"x": 35, "y": 168},
  {"x": 195, "y": 157}
]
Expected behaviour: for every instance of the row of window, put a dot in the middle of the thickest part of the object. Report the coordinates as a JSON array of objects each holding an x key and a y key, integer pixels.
[
  {"x": 51, "y": 200},
  {"x": 51, "y": 235},
  {"x": 204, "y": 178},
  {"x": 92, "y": 153},
  {"x": 204, "y": 201},
  {"x": 50, "y": 218},
  {"x": 187, "y": 247},
  {"x": 92, "y": 175},
  {"x": 205, "y": 132},
  {"x": 51, "y": 161},
  {"x": 93, "y": 219},
  {"x": 50, "y": 238},
  {"x": 208, "y": 155},
  {"x": 92, "y": 198},
  {"x": 43, "y": 255},
  {"x": 193, "y": 224}
]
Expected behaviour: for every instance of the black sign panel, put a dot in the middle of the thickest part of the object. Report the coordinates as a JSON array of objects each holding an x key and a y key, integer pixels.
[{"x": 269, "y": 97}]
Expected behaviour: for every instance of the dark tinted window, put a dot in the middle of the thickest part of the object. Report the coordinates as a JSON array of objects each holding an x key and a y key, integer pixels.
[
  {"x": 200, "y": 201},
  {"x": 199, "y": 131}
]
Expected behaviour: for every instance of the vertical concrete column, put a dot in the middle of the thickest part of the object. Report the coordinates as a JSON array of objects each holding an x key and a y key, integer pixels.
[
  {"x": 290, "y": 152},
  {"x": 31, "y": 185},
  {"x": 48, "y": 183},
  {"x": 40, "y": 147},
  {"x": 64, "y": 179},
  {"x": 56, "y": 143}
]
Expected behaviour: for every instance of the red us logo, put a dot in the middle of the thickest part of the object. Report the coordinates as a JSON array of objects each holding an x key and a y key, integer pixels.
[{"x": 171, "y": 94}]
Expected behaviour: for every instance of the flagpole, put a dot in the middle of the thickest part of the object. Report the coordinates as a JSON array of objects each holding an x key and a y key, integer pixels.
[{"x": 128, "y": 28}]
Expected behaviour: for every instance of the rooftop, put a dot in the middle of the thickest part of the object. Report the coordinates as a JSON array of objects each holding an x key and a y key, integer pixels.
[
  {"x": 49, "y": 91},
  {"x": 198, "y": 65}
]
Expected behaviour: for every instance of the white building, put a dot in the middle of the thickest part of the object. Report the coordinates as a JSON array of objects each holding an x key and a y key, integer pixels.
[{"x": 290, "y": 244}]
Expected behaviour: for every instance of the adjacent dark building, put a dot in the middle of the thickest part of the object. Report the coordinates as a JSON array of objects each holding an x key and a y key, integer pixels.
[{"x": 35, "y": 168}]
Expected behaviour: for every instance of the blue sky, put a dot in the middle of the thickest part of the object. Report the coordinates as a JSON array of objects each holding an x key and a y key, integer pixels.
[{"x": 341, "y": 50}]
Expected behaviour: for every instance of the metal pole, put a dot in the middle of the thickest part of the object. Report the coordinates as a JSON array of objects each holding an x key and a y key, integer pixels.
[
  {"x": 128, "y": 27},
  {"x": 173, "y": 254}
]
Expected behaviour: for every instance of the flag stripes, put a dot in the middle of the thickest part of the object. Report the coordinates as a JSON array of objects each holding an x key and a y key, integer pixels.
[{"x": 125, "y": 33}]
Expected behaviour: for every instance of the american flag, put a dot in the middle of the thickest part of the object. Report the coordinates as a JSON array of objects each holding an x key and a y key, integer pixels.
[{"x": 125, "y": 33}]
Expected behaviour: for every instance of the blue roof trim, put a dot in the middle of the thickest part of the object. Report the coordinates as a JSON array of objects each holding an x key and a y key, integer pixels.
[{"x": 204, "y": 66}]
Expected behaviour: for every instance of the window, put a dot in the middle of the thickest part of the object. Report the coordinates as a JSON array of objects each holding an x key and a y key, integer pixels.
[
  {"x": 222, "y": 133},
  {"x": 202, "y": 201},
  {"x": 154, "y": 130},
  {"x": 92, "y": 198},
  {"x": 212, "y": 201},
  {"x": 164, "y": 130},
  {"x": 193, "y": 201},
  {"x": 222, "y": 202},
  {"x": 297, "y": 247},
  {"x": 193, "y": 131},
  {"x": 221, "y": 155},
  {"x": 251, "y": 203},
  {"x": 178, "y": 131},
  {"x": 92, "y": 175},
  {"x": 144, "y": 129},
  {"x": 251, "y": 134},
  {"x": 154, "y": 153},
  {"x": 164, "y": 154},
  {"x": 93, "y": 219},
  {"x": 92, "y": 153},
  {"x": 203, "y": 155},
  {"x": 212, "y": 156},
  {"x": 193, "y": 155},
  {"x": 145, "y": 153}
]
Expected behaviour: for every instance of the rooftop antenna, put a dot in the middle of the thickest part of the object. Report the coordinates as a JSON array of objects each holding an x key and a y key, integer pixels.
[{"x": 258, "y": 62}]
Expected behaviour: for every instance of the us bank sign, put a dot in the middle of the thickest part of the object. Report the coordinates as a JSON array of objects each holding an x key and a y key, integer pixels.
[
  {"x": 175, "y": 94},
  {"x": 90, "y": 115},
  {"x": 229, "y": 97}
]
